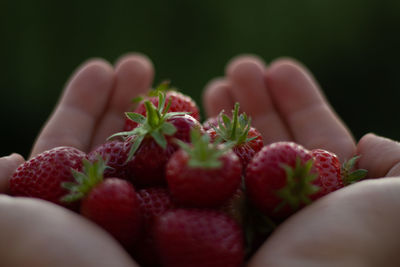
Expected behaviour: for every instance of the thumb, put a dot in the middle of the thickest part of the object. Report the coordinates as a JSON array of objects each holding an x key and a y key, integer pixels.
[
  {"x": 8, "y": 165},
  {"x": 379, "y": 155}
]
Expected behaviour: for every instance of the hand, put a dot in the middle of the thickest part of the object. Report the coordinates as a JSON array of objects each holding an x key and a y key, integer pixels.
[
  {"x": 284, "y": 102},
  {"x": 355, "y": 226},
  {"x": 90, "y": 109},
  {"x": 37, "y": 233},
  {"x": 93, "y": 103}
]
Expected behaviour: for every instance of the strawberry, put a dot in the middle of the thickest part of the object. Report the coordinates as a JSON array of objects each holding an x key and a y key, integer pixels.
[
  {"x": 41, "y": 176},
  {"x": 333, "y": 176},
  {"x": 184, "y": 124},
  {"x": 279, "y": 179},
  {"x": 246, "y": 139},
  {"x": 147, "y": 168},
  {"x": 111, "y": 203},
  {"x": 115, "y": 153},
  {"x": 153, "y": 203},
  {"x": 329, "y": 178},
  {"x": 235, "y": 206},
  {"x": 152, "y": 141},
  {"x": 211, "y": 122},
  {"x": 204, "y": 175},
  {"x": 198, "y": 238},
  {"x": 179, "y": 103}
]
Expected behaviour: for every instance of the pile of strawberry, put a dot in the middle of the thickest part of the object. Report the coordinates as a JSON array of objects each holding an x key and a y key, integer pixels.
[{"x": 175, "y": 192}]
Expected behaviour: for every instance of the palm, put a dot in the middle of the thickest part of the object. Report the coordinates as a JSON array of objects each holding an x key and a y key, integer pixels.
[
  {"x": 38, "y": 233},
  {"x": 286, "y": 104}
]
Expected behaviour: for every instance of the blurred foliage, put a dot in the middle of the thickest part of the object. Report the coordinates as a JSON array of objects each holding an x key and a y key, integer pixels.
[{"x": 350, "y": 46}]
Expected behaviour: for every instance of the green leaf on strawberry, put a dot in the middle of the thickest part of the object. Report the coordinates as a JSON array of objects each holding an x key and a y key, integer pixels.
[
  {"x": 349, "y": 175},
  {"x": 155, "y": 124},
  {"x": 298, "y": 186},
  {"x": 202, "y": 153},
  {"x": 91, "y": 175},
  {"x": 234, "y": 130},
  {"x": 163, "y": 87}
]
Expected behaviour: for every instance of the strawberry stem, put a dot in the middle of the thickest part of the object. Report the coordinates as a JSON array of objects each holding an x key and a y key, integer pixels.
[
  {"x": 349, "y": 175},
  {"x": 234, "y": 125},
  {"x": 91, "y": 175},
  {"x": 298, "y": 185},
  {"x": 154, "y": 124},
  {"x": 236, "y": 129},
  {"x": 202, "y": 153},
  {"x": 153, "y": 117}
]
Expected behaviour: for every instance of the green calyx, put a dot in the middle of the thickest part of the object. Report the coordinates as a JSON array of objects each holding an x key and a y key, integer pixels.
[
  {"x": 349, "y": 175},
  {"x": 154, "y": 124},
  {"x": 91, "y": 176},
  {"x": 202, "y": 153},
  {"x": 236, "y": 129},
  {"x": 163, "y": 87},
  {"x": 298, "y": 186}
]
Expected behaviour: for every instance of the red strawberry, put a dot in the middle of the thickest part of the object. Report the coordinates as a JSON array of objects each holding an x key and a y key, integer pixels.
[
  {"x": 211, "y": 122},
  {"x": 41, "y": 176},
  {"x": 179, "y": 103},
  {"x": 279, "y": 179},
  {"x": 153, "y": 203},
  {"x": 205, "y": 175},
  {"x": 329, "y": 178},
  {"x": 198, "y": 238},
  {"x": 333, "y": 176},
  {"x": 152, "y": 141},
  {"x": 115, "y": 153},
  {"x": 235, "y": 206},
  {"x": 248, "y": 141},
  {"x": 184, "y": 124},
  {"x": 147, "y": 168},
  {"x": 111, "y": 203}
]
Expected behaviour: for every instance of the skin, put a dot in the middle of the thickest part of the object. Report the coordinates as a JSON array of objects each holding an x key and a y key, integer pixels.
[
  {"x": 355, "y": 226},
  {"x": 38, "y": 233}
]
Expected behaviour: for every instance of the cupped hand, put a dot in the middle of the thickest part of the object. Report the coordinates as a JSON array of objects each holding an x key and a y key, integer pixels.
[
  {"x": 91, "y": 108},
  {"x": 354, "y": 226}
]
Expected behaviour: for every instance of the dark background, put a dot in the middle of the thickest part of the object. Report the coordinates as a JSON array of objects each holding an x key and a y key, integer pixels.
[{"x": 352, "y": 47}]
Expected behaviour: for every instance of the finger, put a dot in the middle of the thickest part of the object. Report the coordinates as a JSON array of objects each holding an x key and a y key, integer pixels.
[
  {"x": 37, "y": 233},
  {"x": 216, "y": 97},
  {"x": 7, "y": 167},
  {"x": 246, "y": 75},
  {"x": 300, "y": 102},
  {"x": 379, "y": 155},
  {"x": 133, "y": 77},
  {"x": 83, "y": 101}
]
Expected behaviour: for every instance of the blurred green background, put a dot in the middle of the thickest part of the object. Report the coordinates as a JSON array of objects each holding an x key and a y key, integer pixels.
[{"x": 352, "y": 47}]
